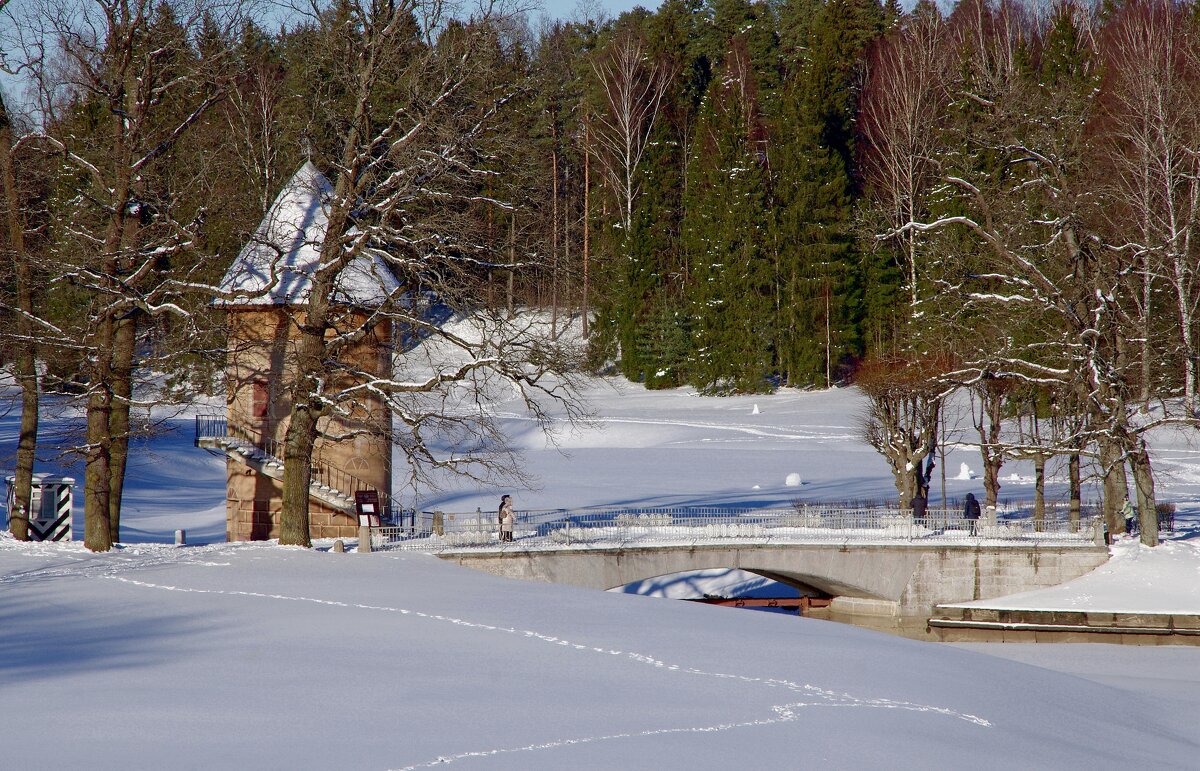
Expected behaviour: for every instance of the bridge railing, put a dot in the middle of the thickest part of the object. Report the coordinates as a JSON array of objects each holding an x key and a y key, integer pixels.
[{"x": 441, "y": 531}]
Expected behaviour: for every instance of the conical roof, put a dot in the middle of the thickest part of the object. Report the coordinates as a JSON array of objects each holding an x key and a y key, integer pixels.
[{"x": 289, "y": 240}]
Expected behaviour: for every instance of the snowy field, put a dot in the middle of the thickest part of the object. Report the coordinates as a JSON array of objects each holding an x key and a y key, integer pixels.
[{"x": 254, "y": 656}]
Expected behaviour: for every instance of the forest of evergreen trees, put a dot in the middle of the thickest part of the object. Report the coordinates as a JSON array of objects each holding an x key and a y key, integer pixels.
[{"x": 995, "y": 196}]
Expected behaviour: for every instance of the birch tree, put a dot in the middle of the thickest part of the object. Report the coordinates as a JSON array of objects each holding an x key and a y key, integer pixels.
[
  {"x": 901, "y": 111},
  {"x": 633, "y": 89},
  {"x": 1152, "y": 146}
]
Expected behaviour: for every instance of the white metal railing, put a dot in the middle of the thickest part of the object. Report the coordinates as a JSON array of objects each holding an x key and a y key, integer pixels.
[{"x": 441, "y": 531}]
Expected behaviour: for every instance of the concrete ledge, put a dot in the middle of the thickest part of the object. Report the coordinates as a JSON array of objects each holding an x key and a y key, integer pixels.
[
  {"x": 864, "y": 606},
  {"x": 1009, "y": 625}
]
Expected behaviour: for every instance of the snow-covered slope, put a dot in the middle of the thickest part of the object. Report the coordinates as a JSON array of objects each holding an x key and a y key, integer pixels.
[{"x": 256, "y": 656}]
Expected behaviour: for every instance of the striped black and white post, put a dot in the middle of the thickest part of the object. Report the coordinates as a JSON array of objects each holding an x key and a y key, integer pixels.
[{"x": 52, "y": 520}]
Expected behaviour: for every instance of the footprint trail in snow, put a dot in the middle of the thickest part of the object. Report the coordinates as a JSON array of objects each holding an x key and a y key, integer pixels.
[{"x": 810, "y": 695}]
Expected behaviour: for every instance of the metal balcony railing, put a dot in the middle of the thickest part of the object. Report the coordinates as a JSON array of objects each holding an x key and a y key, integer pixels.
[{"x": 441, "y": 531}]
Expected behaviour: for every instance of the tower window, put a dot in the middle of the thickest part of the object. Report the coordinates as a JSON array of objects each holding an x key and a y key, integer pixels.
[{"x": 261, "y": 399}]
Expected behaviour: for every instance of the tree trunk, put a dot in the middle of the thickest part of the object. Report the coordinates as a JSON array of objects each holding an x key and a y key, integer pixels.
[
  {"x": 25, "y": 365},
  {"x": 942, "y": 454},
  {"x": 26, "y": 371},
  {"x": 587, "y": 213},
  {"x": 1112, "y": 467},
  {"x": 1143, "y": 477},
  {"x": 118, "y": 421},
  {"x": 1190, "y": 359},
  {"x": 97, "y": 475},
  {"x": 297, "y": 472},
  {"x": 1039, "y": 492},
  {"x": 1076, "y": 490},
  {"x": 554, "y": 238},
  {"x": 989, "y": 435},
  {"x": 512, "y": 262}
]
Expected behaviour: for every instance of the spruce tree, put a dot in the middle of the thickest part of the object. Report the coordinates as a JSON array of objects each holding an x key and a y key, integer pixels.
[
  {"x": 725, "y": 234},
  {"x": 819, "y": 280}
]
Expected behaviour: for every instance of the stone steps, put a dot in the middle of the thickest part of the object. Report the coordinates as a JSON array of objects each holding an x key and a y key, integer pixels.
[{"x": 272, "y": 467}]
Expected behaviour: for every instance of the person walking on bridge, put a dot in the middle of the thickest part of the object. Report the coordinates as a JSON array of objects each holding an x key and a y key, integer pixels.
[
  {"x": 919, "y": 504},
  {"x": 506, "y": 517},
  {"x": 971, "y": 513}
]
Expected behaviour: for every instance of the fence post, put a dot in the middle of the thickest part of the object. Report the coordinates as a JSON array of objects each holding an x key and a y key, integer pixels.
[{"x": 364, "y": 538}]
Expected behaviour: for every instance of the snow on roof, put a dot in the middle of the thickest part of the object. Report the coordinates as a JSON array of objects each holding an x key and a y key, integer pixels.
[{"x": 289, "y": 239}]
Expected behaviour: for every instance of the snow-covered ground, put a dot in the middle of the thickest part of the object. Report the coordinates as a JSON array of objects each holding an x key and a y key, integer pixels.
[{"x": 254, "y": 656}]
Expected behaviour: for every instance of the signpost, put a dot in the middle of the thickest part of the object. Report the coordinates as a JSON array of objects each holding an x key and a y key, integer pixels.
[{"x": 366, "y": 503}]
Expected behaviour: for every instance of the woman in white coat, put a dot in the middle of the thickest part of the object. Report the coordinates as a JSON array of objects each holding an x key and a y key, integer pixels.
[{"x": 507, "y": 518}]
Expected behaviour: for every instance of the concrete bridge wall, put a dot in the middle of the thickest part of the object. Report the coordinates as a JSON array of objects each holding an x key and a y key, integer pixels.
[{"x": 901, "y": 581}]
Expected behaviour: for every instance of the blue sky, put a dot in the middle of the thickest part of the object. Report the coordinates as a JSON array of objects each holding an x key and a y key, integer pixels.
[
  {"x": 561, "y": 9},
  {"x": 565, "y": 9}
]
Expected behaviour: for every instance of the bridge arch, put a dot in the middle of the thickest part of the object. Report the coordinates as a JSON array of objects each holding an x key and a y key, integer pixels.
[{"x": 697, "y": 582}]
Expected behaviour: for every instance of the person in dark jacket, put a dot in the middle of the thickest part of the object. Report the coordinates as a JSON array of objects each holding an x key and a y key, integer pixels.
[
  {"x": 919, "y": 504},
  {"x": 971, "y": 512}
]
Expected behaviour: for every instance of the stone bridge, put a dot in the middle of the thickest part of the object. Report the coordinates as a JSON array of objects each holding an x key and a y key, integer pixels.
[{"x": 880, "y": 585}]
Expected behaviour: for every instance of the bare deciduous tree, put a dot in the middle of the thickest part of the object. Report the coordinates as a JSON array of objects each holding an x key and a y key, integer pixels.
[
  {"x": 119, "y": 87},
  {"x": 417, "y": 146},
  {"x": 1152, "y": 144},
  {"x": 22, "y": 337},
  {"x": 903, "y": 416},
  {"x": 902, "y": 105},
  {"x": 633, "y": 89}
]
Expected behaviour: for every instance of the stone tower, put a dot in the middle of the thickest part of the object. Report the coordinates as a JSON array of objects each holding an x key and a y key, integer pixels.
[{"x": 270, "y": 283}]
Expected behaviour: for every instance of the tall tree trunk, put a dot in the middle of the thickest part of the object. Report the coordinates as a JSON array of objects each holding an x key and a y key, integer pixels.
[
  {"x": 1112, "y": 468},
  {"x": 554, "y": 239},
  {"x": 587, "y": 214},
  {"x": 512, "y": 262},
  {"x": 125, "y": 338},
  {"x": 1076, "y": 490},
  {"x": 25, "y": 365},
  {"x": 1190, "y": 359},
  {"x": 1143, "y": 478},
  {"x": 942, "y": 454},
  {"x": 1039, "y": 492},
  {"x": 97, "y": 474},
  {"x": 26, "y": 372},
  {"x": 988, "y": 425},
  {"x": 297, "y": 472}
]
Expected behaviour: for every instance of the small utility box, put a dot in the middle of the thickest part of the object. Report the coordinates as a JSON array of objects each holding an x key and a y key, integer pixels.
[{"x": 49, "y": 506}]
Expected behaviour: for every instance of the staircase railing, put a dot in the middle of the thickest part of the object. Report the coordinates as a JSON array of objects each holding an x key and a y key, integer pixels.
[{"x": 322, "y": 474}]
